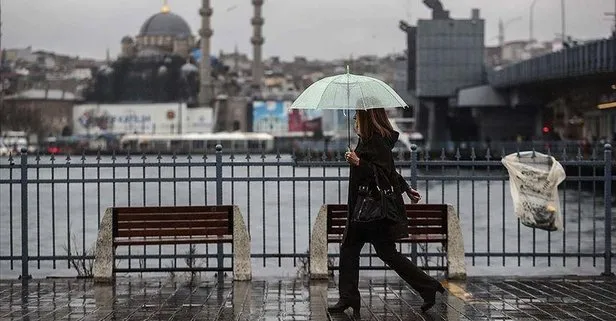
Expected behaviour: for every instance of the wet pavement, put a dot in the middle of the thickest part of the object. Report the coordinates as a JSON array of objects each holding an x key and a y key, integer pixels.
[{"x": 569, "y": 298}]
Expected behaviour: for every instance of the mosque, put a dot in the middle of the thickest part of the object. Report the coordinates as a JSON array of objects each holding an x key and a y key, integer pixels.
[
  {"x": 156, "y": 66},
  {"x": 164, "y": 33},
  {"x": 165, "y": 63}
]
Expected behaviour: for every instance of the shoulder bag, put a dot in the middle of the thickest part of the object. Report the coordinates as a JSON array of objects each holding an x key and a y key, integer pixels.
[{"x": 377, "y": 205}]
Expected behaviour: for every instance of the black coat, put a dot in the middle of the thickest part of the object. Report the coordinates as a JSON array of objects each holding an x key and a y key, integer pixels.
[{"x": 375, "y": 151}]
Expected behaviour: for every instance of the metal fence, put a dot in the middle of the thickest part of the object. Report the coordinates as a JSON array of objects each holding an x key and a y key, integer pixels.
[{"x": 51, "y": 207}]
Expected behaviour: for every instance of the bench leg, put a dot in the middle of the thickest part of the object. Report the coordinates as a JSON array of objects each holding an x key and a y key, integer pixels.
[
  {"x": 455, "y": 246},
  {"x": 103, "y": 256},
  {"x": 242, "y": 269},
  {"x": 318, "y": 246}
]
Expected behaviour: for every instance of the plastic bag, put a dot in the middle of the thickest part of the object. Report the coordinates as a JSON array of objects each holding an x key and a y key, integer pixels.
[{"x": 534, "y": 180}]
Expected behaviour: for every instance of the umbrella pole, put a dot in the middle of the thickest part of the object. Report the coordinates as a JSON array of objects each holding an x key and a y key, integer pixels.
[
  {"x": 349, "y": 110},
  {"x": 349, "y": 130}
]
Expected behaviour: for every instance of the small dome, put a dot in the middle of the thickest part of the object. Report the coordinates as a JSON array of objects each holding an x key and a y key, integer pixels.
[
  {"x": 188, "y": 68},
  {"x": 127, "y": 39},
  {"x": 165, "y": 24}
]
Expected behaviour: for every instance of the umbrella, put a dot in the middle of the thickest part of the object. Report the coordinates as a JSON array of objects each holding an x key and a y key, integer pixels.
[{"x": 348, "y": 92}]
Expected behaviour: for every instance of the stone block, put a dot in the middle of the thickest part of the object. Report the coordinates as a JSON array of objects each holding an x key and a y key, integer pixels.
[
  {"x": 242, "y": 268},
  {"x": 318, "y": 246},
  {"x": 103, "y": 253},
  {"x": 455, "y": 246}
]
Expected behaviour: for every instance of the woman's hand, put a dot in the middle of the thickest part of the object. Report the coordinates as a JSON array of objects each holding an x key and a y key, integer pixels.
[
  {"x": 352, "y": 158},
  {"x": 413, "y": 195}
]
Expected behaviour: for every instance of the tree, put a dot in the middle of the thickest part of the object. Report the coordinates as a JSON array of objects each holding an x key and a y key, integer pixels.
[{"x": 22, "y": 118}]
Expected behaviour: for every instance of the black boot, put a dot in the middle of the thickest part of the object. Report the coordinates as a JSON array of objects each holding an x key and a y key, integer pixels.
[
  {"x": 430, "y": 297},
  {"x": 341, "y": 306}
]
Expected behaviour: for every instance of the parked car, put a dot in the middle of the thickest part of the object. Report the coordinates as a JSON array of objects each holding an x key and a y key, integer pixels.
[{"x": 4, "y": 151}]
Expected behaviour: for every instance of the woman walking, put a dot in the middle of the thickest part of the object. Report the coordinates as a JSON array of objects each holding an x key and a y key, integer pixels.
[{"x": 371, "y": 158}]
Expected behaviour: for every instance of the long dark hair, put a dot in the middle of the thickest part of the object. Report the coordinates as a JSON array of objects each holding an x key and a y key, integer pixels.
[{"x": 373, "y": 121}]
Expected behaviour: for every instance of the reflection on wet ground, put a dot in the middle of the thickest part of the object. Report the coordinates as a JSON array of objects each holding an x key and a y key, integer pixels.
[{"x": 569, "y": 298}]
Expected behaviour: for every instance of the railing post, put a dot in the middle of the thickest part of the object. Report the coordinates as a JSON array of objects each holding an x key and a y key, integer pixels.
[
  {"x": 607, "y": 199},
  {"x": 414, "y": 186},
  {"x": 220, "y": 248},
  {"x": 25, "y": 275}
]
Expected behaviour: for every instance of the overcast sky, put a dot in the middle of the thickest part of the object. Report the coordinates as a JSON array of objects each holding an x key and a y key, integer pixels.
[{"x": 316, "y": 28}]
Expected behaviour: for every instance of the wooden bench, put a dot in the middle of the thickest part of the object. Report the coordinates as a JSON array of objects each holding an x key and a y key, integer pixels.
[
  {"x": 172, "y": 225},
  {"x": 169, "y": 226},
  {"x": 428, "y": 223}
]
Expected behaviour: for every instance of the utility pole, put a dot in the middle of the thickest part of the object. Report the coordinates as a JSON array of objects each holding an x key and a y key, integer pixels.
[
  {"x": 1, "y": 74},
  {"x": 531, "y": 22},
  {"x": 501, "y": 32},
  {"x": 562, "y": 20},
  {"x": 613, "y": 14}
]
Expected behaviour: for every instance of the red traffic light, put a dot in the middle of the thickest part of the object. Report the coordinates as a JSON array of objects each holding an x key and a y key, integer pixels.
[{"x": 546, "y": 129}]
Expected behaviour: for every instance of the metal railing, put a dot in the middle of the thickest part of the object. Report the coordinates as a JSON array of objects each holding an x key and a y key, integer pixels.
[{"x": 51, "y": 207}]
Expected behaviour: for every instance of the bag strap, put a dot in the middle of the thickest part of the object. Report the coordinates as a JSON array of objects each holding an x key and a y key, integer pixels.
[{"x": 376, "y": 170}]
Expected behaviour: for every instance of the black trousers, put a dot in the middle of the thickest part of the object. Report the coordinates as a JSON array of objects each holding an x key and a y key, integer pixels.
[{"x": 386, "y": 250}]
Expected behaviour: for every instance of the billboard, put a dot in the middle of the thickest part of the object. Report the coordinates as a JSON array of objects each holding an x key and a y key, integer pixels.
[
  {"x": 270, "y": 116},
  {"x": 118, "y": 119},
  {"x": 276, "y": 117},
  {"x": 305, "y": 120}
]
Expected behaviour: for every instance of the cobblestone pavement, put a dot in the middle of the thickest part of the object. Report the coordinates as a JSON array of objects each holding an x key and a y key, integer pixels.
[{"x": 570, "y": 298}]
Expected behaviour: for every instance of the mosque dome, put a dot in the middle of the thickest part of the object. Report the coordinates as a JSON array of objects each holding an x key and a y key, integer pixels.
[{"x": 165, "y": 23}]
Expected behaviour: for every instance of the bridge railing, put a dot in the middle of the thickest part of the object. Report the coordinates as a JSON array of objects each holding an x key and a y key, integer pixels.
[{"x": 595, "y": 57}]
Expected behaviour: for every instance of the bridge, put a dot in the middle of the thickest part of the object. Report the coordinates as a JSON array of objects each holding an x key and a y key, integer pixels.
[
  {"x": 577, "y": 83},
  {"x": 595, "y": 59}
]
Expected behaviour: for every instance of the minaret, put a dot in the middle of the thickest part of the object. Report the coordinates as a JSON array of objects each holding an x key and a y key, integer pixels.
[
  {"x": 236, "y": 59},
  {"x": 205, "y": 90},
  {"x": 257, "y": 41}
]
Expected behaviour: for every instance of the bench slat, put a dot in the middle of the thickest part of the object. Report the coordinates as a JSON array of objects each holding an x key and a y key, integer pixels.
[
  {"x": 171, "y": 216},
  {"x": 441, "y": 221},
  {"x": 427, "y": 230},
  {"x": 336, "y": 230},
  {"x": 426, "y": 214},
  {"x": 411, "y": 239},
  {"x": 423, "y": 238},
  {"x": 341, "y": 220},
  {"x": 337, "y": 214},
  {"x": 169, "y": 224},
  {"x": 174, "y": 209},
  {"x": 431, "y": 207},
  {"x": 173, "y": 232},
  {"x": 417, "y": 221},
  {"x": 183, "y": 240}
]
